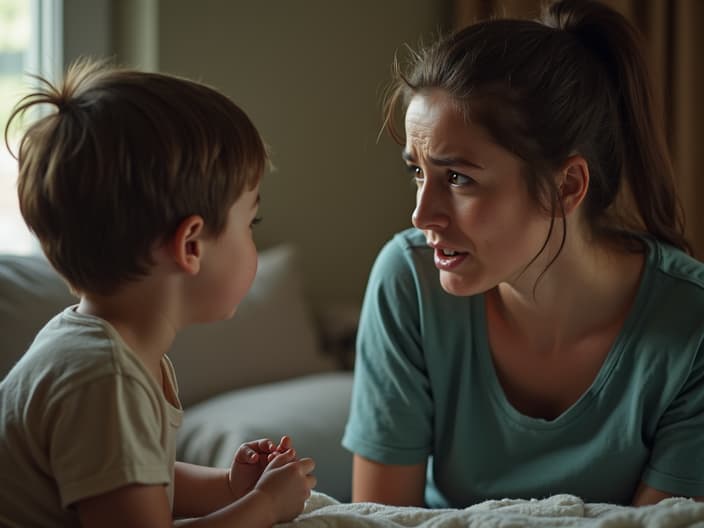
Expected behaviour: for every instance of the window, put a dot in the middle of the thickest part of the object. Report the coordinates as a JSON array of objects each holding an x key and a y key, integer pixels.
[
  {"x": 30, "y": 42},
  {"x": 15, "y": 40}
]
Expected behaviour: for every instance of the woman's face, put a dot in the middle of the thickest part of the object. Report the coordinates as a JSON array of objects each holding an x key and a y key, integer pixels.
[{"x": 472, "y": 202}]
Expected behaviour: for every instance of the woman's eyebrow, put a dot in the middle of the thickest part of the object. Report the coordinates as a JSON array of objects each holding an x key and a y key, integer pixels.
[
  {"x": 447, "y": 162},
  {"x": 444, "y": 162}
]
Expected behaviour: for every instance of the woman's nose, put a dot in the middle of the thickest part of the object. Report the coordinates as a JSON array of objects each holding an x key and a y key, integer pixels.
[{"x": 430, "y": 212}]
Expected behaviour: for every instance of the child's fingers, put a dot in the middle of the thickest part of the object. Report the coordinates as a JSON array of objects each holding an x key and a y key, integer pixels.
[
  {"x": 271, "y": 456},
  {"x": 285, "y": 443},
  {"x": 249, "y": 452},
  {"x": 263, "y": 445},
  {"x": 246, "y": 455},
  {"x": 281, "y": 459}
]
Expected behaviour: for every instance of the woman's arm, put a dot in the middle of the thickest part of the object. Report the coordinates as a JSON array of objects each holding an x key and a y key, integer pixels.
[
  {"x": 646, "y": 495},
  {"x": 387, "y": 484}
]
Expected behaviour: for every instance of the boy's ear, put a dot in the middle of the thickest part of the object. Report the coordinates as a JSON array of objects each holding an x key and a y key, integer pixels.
[
  {"x": 573, "y": 182},
  {"x": 186, "y": 244}
]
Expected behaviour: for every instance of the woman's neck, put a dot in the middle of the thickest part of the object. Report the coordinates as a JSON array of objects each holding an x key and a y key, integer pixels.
[{"x": 589, "y": 287}]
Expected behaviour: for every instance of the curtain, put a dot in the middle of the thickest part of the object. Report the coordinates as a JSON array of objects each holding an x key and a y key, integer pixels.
[{"x": 674, "y": 35}]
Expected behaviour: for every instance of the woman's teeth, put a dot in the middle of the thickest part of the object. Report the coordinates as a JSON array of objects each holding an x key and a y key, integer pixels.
[{"x": 449, "y": 252}]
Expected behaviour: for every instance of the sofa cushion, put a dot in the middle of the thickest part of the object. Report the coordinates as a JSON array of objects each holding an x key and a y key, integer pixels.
[
  {"x": 312, "y": 410},
  {"x": 31, "y": 293}
]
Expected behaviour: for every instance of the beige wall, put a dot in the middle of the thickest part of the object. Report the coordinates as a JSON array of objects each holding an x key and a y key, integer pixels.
[{"x": 310, "y": 74}]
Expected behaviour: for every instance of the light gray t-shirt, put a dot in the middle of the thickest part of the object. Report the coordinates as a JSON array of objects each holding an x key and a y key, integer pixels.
[
  {"x": 80, "y": 415},
  {"x": 426, "y": 390}
]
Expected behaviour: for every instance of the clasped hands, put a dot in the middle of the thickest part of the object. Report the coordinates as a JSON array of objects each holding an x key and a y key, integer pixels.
[{"x": 273, "y": 470}]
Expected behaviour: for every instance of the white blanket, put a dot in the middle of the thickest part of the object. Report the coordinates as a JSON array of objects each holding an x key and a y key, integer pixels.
[{"x": 322, "y": 511}]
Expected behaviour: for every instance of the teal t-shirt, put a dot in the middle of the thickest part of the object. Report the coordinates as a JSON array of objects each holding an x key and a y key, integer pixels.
[{"x": 425, "y": 389}]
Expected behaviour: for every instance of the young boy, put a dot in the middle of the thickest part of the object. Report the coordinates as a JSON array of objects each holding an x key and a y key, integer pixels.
[{"x": 142, "y": 190}]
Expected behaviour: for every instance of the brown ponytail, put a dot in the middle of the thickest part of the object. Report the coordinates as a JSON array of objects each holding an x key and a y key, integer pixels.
[
  {"x": 646, "y": 160},
  {"x": 575, "y": 81}
]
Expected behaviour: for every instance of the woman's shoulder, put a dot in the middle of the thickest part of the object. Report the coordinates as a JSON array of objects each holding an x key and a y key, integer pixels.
[
  {"x": 677, "y": 266},
  {"x": 411, "y": 239},
  {"x": 406, "y": 249},
  {"x": 405, "y": 261},
  {"x": 405, "y": 271},
  {"x": 671, "y": 299}
]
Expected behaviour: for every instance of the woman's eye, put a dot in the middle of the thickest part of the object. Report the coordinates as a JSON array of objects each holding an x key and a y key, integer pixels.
[
  {"x": 416, "y": 172},
  {"x": 256, "y": 221},
  {"x": 459, "y": 179}
]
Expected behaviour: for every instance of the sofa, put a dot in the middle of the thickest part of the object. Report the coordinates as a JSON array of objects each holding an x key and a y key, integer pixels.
[{"x": 275, "y": 368}]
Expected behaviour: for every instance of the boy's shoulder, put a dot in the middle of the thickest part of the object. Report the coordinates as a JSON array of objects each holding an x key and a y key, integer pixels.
[{"x": 71, "y": 350}]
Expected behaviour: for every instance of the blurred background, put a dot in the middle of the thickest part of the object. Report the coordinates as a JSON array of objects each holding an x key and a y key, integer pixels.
[{"x": 311, "y": 75}]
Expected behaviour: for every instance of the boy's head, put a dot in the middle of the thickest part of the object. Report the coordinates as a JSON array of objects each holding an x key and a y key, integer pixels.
[{"x": 121, "y": 160}]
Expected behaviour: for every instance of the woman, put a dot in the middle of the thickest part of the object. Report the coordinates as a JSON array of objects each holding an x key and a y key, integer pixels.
[{"x": 560, "y": 351}]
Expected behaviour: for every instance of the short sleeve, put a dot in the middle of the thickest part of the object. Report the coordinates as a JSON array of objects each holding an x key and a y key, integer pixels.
[
  {"x": 391, "y": 411},
  {"x": 676, "y": 464},
  {"x": 106, "y": 434}
]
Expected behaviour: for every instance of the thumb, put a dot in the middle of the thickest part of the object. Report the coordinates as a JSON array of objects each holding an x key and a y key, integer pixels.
[{"x": 307, "y": 465}]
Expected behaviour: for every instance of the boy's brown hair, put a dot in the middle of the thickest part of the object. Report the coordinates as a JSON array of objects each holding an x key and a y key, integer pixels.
[{"x": 123, "y": 159}]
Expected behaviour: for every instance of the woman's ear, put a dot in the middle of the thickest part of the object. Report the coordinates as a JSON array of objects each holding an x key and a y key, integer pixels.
[
  {"x": 573, "y": 182},
  {"x": 186, "y": 244}
]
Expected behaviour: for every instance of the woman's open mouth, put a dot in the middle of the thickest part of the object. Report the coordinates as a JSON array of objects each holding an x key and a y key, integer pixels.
[{"x": 448, "y": 259}]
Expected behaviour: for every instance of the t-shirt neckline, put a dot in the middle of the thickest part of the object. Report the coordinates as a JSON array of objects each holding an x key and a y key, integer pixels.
[{"x": 600, "y": 381}]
